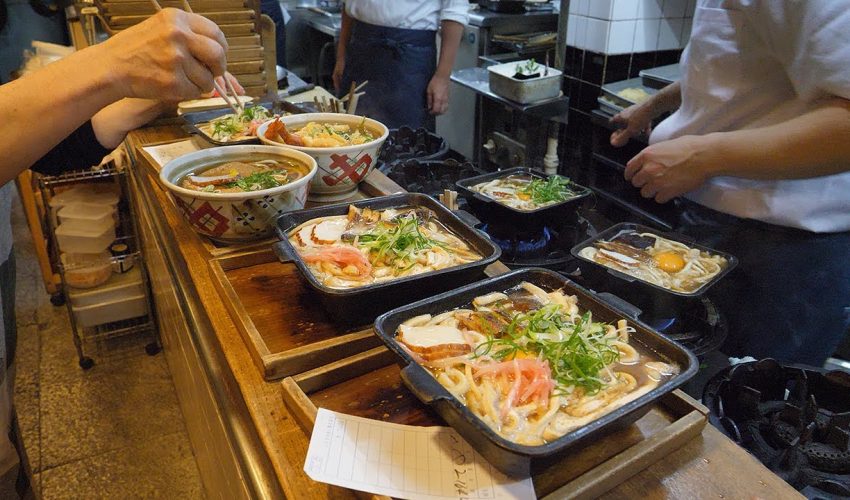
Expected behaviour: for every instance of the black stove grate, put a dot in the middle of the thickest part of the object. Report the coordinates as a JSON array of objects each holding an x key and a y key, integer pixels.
[{"x": 795, "y": 420}]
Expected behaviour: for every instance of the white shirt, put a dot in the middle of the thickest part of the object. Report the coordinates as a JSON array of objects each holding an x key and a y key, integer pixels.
[
  {"x": 753, "y": 63},
  {"x": 409, "y": 14}
]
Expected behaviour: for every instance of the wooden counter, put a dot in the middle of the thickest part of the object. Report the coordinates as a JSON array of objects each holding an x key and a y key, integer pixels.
[{"x": 247, "y": 443}]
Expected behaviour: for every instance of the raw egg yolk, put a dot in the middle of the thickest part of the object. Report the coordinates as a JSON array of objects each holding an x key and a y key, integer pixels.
[{"x": 670, "y": 262}]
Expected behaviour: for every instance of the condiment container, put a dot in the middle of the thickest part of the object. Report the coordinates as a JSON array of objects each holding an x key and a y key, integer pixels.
[
  {"x": 83, "y": 270},
  {"x": 117, "y": 288},
  {"x": 84, "y": 240},
  {"x": 87, "y": 216},
  {"x": 122, "y": 260}
]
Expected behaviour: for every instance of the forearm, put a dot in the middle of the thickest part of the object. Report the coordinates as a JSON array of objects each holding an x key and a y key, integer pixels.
[
  {"x": 666, "y": 100},
  {"x": 112, "y": 123},
  {"x": 42, "y": 108},
  {"x": 450, "y": 34},
  {"x": 813, "y": 144},
  {"x": 344, "y": 35}
]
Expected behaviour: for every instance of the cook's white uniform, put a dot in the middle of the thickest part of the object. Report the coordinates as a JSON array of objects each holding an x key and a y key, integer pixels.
[{"x": 752, "y": 63}]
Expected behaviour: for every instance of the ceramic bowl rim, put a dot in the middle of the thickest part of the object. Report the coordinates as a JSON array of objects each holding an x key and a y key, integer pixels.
[
  {"x": 325, "y": 117},
  {"x": 168, "y": 171}
]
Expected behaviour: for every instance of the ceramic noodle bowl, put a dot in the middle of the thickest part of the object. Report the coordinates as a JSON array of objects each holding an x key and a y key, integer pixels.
[
  {"x": 242, "y": 216},
  {"x": 341, "y": 168}
]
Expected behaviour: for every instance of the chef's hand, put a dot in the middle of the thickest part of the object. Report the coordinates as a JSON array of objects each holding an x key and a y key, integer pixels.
[
  {"x": 339, "y": 68},
  {"x": 631, "y": 122},
  {"x": 170, "y": 56},
  {"x": 240, "y": 90},
  {"x": 438, "y": 95},
  {"x": 671, "y": 168}
]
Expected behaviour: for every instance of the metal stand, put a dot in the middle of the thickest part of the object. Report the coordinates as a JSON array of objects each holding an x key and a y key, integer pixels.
[{"x": 126, "y": 232}]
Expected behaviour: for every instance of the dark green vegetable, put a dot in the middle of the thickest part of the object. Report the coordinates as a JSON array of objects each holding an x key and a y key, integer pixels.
[
  {"x": 553, "y": 189},
  {"x": 398, "y": 242},
  {"x": 260, "y": 180},
  {"x": 575, "y": 360}
]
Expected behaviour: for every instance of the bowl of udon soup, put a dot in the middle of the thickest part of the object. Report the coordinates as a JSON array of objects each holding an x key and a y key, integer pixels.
[
  {"x": 234, "y": 193},
  {"x": 346, "y": 148}
]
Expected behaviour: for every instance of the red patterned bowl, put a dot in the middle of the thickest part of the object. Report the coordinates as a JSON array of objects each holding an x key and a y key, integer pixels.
[
  {"x": 235, "y": 217},
  {"x": 341, "y": 169}
]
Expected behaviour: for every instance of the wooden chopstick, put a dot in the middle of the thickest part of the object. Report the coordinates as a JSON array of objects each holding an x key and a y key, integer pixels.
[{"x": 156, "y": 6}]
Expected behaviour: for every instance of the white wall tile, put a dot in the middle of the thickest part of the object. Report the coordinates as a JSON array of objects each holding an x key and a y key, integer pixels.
[
  {"x": 574, "y": 7},
  {"x": 581, "y": 32},
  {"x": 582, "y": 7},
  {"x": 686, "y": 30},
  {"x": 646, "y": 35},
  {"x": 624, "y": 9},
  {"x": 621, "y": 37},
  {"x": 674, "y": 8},
  {"x": 572, "y": 26},
  {"x": 670, "y": 34},
  {"x": 596, "y": 39},
  {"x": 600, "y": 9},
  {"x": 649, "y": 9}
]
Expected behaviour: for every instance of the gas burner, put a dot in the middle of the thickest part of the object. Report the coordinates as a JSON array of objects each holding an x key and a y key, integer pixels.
[
  {"x": 538, "y": 245},
  {"x": 698, "y": 325},
  {"x": 795, "y": 420}
]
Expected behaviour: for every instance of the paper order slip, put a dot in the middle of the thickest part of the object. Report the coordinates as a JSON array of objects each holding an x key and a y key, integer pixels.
[{"x": 404, "y": 461}]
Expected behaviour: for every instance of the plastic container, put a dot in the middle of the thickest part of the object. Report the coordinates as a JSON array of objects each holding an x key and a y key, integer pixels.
[
  {"x": 113, "y": 310},
  {"x": 84, "y": 240},
  {"x": 87, "y": 216},
  {"x": 86, "y": 270},
  {"x": 118, "y": 287}
]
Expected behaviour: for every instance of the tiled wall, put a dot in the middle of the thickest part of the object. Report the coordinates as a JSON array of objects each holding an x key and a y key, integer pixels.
[{"x": 628, "y": 26}]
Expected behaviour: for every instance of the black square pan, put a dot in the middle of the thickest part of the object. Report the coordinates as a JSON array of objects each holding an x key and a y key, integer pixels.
[
  {"x": 360, "y": 305},
  {"x": 480, "y": 202},
  {"x": 511, "y": 458},
  {"x": 627, "y": 286},
  {"x": 194, "y": 121}
]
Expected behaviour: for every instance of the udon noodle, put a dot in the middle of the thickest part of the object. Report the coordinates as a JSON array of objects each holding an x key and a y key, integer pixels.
[
  {"x": 320, "y": 135},
  {"x": 530, "y": 364},
  {"x": 524, "y": 192},
  {"x": 657, "y": 260},
  {"x": 369, "y": 246}
]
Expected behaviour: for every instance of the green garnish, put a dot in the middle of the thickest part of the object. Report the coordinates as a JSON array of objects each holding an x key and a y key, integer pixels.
[
  {"x": 224, "y": 127},
  {"x": 259, "y": 180},
  {"x": 397, "y": 244},
  {"x": 529, "y": 68},
  {"x": 576, "y": 351},
  {"x": 554, "y": 189}
]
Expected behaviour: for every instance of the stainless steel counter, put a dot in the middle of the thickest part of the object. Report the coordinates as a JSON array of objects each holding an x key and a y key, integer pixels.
[
  {"x": 327, "y": 24},
  {"x": 488, "y": 19}
]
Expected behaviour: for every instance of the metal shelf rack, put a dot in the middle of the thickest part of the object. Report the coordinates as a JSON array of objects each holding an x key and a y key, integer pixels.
[{"x": 99, "y": 336}]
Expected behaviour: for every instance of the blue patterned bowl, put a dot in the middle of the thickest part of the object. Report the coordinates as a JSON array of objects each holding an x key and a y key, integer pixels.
[{"x": 236, "y": 217}]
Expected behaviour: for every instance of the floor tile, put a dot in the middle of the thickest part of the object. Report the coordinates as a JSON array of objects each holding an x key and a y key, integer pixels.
[
  {"x": 163, "y": 467},
  {"x": 116, "y": 407}
]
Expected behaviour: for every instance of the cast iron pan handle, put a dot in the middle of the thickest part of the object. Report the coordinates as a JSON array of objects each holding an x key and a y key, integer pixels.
[
  {"x": 612, "y": 300},
  {"x": 422, "y": 384},
  {"x": 467, "y": 217},
  {"x": 283, "y": 252}
]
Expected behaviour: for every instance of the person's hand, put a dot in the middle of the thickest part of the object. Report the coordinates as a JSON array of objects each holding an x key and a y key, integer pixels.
[
  {"x": 671, "y": 168},
  {"x": 631, "y": 122},
  {"x": 438, "y": 95},
  {"x": 339, "y": 69},
  {"x": 171, "y": 56},
  {"x": 240, "y": 90}
]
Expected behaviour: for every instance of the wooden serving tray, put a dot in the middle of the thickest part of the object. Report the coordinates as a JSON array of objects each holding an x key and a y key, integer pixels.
[
  {"x": 263, "y": 296},
  {"x": 368, "y": 385}
]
